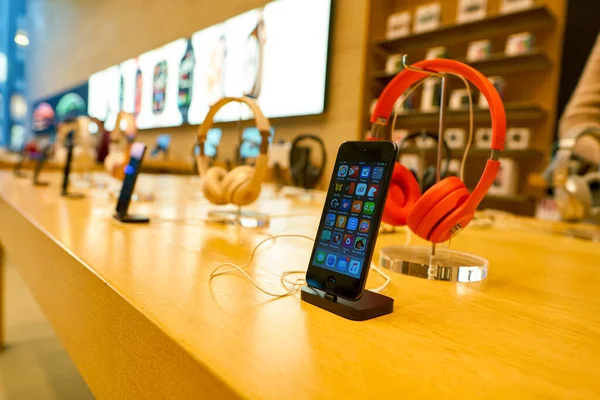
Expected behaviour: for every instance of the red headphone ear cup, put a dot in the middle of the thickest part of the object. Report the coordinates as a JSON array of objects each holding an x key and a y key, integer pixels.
[
  {"x": 435, "y": 205},
  {"x": 403, "y": 194}
]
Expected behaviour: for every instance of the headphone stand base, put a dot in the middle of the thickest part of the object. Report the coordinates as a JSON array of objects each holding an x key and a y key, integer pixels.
[{"x": 370, "y": 305}]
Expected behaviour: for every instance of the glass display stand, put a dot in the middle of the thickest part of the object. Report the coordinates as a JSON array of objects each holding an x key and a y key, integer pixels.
[
  {"x": 241, "y": 217},
  {"x": 446, "y": 265}
]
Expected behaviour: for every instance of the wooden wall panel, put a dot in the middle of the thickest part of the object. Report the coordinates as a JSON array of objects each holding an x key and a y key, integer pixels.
[{"x": 71, "y": 39}]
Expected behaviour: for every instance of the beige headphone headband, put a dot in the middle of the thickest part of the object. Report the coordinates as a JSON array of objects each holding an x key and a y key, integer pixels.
[{"x": 262, "y": 123}]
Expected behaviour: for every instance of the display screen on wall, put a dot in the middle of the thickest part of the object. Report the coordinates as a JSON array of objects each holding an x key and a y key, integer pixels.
[{"x": 276, "y": 54}]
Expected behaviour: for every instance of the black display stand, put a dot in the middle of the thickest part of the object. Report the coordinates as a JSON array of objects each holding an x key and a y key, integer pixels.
[
  {"x": 131, "y": 219},
  {"x": 38, "y": 168},
  {"x": 67, "y": 171},
  {"x": 370, "y": 305}
]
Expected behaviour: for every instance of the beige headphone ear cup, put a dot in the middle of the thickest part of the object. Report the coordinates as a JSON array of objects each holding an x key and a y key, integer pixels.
[
  {"x": 213, "y": 185},
  {"x": 573, "y": 199},
  {"x": 238, "y": 188},
  {"x": 60, "y": 155}
]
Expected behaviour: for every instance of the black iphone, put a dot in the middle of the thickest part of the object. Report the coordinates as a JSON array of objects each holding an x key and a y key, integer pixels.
[
  {"x": 348, "y": 229},
  {"x": 131, "y": 173}
]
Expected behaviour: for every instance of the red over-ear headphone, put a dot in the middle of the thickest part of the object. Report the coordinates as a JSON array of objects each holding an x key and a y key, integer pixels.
[{"x": 447, "y": 207}]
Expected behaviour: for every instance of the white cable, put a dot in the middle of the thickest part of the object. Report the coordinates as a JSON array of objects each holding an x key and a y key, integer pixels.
[{"x": 294, "y": 284}]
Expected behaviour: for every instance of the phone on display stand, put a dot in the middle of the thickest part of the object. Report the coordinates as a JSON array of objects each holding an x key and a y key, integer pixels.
[
  {"x": 348, "y": 229},
  {"x": 131, "y": 173}
]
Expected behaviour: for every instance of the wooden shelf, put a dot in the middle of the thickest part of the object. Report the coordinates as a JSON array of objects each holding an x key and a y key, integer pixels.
[
  {"x": 529, "y": 154},
  {"x": 516, "y": 111},
  {"x": 520, "y": 205},
  {"x": 493, "y": 26},
  {"x": 497, "y": 64}
]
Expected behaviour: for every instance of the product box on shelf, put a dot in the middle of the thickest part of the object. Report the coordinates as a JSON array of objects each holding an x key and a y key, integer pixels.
[
  {"x": 398, "y": 25},
  {"x": 471, "y": 10},
  {"x": 427, "y": 17},
  {"x": 479, "y": 50}
]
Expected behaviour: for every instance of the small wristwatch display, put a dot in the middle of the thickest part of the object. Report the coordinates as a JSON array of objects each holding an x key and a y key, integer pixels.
[
  {"x": 159, "y": 87},
  {"x": 138, "y": 90},
  {"x": 253, "y": 66},
  {"x": 215, "y": 81},
  {"x": 186, "y": 76}
]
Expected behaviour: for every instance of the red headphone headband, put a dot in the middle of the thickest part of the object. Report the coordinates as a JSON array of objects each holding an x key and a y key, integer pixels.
[{"x": 406, "y": 78}]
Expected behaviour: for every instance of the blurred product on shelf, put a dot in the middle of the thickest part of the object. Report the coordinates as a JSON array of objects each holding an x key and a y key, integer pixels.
[
  {"x": 483, "y": 138},
  {"x": 437, "y": 52},
  {"x": 398, "y": 25},
  {"x": 393, "y": 64},
  {"x": 509, "y": 6},
  {"x": 471, "y": 10},
  {"x": 455, "y": 137},
  {"x": 427, "y": 17},
  {"x": 518, "y": 138},
  {"x": 479, "y": 50},
  {"x": 459, "y": 99},
  {"x": 519, "y": 44},
  {"x": 506, "y": 181}
]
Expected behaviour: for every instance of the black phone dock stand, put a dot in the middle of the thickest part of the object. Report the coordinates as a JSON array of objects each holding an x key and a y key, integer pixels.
[
  {"x": 131, "y": 219},
  {"x": 370, "y": 305},
  {"x": 67, "y": 171}
]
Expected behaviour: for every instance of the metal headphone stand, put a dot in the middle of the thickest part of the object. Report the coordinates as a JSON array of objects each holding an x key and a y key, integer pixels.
[
  {"x": 239, "y": 216},
  {"x": 432, "y": 263}
]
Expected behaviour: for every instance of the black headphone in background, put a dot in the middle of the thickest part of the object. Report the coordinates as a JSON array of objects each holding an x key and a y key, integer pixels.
[
  {"x": 304, "y": 173},
  {"x": 428, "y": 179}
]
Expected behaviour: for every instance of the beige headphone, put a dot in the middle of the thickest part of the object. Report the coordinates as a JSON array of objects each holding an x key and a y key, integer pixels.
[
  {"x": 119, "y": 146},
  {"x": 241, "y": 185},
  {"x": 572, "y": 193},
  {"x": 84, "y": 152}
]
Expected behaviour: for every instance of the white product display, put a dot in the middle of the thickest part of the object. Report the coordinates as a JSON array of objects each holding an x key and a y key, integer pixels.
[
  {"x": 454, "y": 168},
  {"x": 509, "y": 6},
  {"x": 427, "y": 17},
  {"x": 506, "y": 181},
  {"x": 483, "y": 138},
  {"x": 412, "y": 162},
  {"x": 471, "y": 10},
  {"x": 500, "y": 85},
  {"x": 518, "y": 138},
  {"x": 436, "y": 52},
  {"x": 519, "y": 43},
  {"x": 398, "y": 135},
  {"x": 398, "y": 25},
  {"x": 393, "y": 64},
  {"x": 479, "y": 50},
  {"x": 425, "y": 142},
  {"x": 455, "y": 137},
  {"x": 459, "y": 99},
  {"x": 430, "y": 98},
  {"x": 279, "y": 153}
]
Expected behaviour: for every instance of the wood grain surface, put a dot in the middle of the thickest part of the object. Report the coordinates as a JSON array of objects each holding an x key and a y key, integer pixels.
[{"x": 138, "y": 313}]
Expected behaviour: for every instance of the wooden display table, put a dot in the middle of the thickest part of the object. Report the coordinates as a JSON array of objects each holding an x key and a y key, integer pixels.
[{"x": 136, "y": 310}]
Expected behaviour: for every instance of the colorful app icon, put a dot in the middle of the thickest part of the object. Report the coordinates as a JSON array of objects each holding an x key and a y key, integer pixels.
[
  {"x": 330, "y": 219},
  {"x": 347, "y": 242},
  {"x": 373, "y": 190},
  {"x": 369, "y": 208},
  {"x": 336, "y": 239},
  {"x": 354, "y": 267},
  {"x": 365, "y": 172},
  {"x": 326, "y": 236},
  {"x": 342, "y": 171},
  {"x": 339, "y": 186},
  {"x": 343, "y": 263},
  {"x": 357, "y": 206},
  {"x": 331, "y": 260},
  {"x": 341, "y": 221},
  {"x": 377, "y": 172},
  {"x": 335, "y": 203},
  {"x": 320, "y": 257},
  {"x": 346, "y": 203},
  {"x": 349, "y": 188},
  {"x": 352, "y": 223},
  {"x": 360, "y": 244},
  {"x": 353, "y": 171},
  {"x": 361, "y": 189},
  {"x": 364, "y": 225}
]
